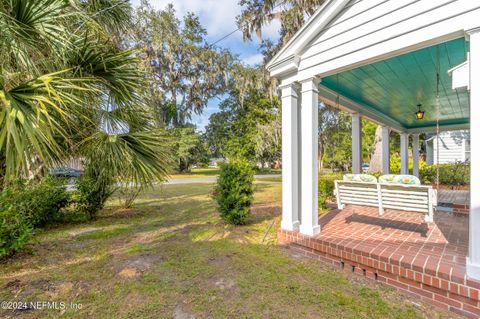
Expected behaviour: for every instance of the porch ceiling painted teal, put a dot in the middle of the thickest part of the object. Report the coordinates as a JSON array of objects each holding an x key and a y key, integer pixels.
[{"x": 395, "y": 86}]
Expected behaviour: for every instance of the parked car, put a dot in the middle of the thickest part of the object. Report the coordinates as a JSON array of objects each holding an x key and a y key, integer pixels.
[{"x": 65, "y": 172}]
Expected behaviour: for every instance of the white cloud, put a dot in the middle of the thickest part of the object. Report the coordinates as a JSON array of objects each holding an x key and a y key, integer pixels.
[
  {"x": 253, "y": 59},
  {"x": 218, "y": 16}
]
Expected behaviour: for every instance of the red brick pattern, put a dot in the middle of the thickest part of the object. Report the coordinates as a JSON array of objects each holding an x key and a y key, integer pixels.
[
  {"x": 399, "y": 249},
  {"x": 463, "y": 209}
]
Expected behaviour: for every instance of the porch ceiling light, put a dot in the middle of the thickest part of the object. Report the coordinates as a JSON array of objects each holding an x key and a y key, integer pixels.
[{"x": 420, "y": 114}]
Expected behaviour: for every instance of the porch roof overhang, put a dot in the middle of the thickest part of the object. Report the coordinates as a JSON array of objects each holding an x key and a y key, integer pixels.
[
  {"x": 389, "y": 91},
  {"x": 381, "y": 58}
]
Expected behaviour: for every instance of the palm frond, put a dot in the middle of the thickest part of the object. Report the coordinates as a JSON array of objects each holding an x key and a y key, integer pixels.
[
  {"x": 30, "y": 29},
  {"x": 33, "y": 114},
  {"x": 139, "y": 157}
]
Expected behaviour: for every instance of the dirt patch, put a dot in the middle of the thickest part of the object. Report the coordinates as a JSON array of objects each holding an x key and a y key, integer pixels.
[
  {"x": 259, "y": 211},
  {"x": 54, "y": 290},
  {"x": 225, "y": 284},
  {"x": 81, "y": 231},
  {"x": 134, "y": 267},
  {"x": 14, "y": 284},
  {"x": 180, "y": 313},
  {"x": 144, "y": 261},
  {"x": 129, "y": 273}
]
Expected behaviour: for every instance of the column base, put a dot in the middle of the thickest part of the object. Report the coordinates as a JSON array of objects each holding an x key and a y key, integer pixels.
[
  {"x": 473, "y": 270},
  {"x": 309, "y": 230},
  {"x": 290, "y": 226}
]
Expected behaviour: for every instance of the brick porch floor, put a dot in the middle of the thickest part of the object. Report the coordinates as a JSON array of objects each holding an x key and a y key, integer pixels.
[{"x": 400, "y": 249}]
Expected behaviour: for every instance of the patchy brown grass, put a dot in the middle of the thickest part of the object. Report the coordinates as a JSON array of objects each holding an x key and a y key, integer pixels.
[{"x": 171, "y": 256}]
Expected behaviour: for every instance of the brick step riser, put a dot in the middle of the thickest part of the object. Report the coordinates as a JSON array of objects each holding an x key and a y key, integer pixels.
[{"x": 439, "y": 292}]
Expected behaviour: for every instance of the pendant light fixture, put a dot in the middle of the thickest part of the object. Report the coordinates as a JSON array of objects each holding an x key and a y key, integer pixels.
[{"x": 419, "y": 114}]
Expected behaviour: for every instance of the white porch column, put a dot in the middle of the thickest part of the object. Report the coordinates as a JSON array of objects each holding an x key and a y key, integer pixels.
[
  {"x": 416, "y": 154},
  {"x": 309, "y": 158},
  {"x": 473, "y": 260},
  {"x": 356, "y": 143},
  {"x": 385, "y": 150},
  {"x": 290, "y": 154},
  {"x": 404, "y": 153}
]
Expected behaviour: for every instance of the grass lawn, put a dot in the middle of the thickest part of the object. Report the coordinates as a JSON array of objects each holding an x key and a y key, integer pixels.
[
  {"x": 197, "y": 172},
  {"x": 206, "y": 172},
  {"x": 172, "y": 257}
]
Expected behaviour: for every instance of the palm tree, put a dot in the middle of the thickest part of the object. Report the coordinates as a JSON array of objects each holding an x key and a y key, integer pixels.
[{"x": 68, "y": 88}]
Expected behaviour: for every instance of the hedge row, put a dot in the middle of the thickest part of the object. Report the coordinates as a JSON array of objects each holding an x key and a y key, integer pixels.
[{"x": 25, "y": 206}]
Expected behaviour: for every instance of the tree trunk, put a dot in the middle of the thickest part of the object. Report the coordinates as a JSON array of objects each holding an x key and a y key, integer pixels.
[
  {"x": 376, "y": 158},
  {"x": 320, "y": 155}
]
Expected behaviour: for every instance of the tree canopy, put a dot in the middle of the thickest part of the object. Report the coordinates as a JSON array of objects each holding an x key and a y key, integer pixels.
[{"x": 184, "y": 70}]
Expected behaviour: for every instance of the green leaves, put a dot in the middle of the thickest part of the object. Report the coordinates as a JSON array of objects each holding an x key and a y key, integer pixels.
[
  {"x": 138, "y": 157},
  {"x": 234, "y": 191},
  {"x": 67, "y": 89},
  {"x": 184, "y": 71},
  {"x": 32, "y": 115}
]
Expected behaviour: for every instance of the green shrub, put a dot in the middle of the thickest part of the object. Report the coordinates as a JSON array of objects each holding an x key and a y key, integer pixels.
[
  {"x": 326, "y": 185},
  {"x": 395, "y": 165},
  {"x": 234, "y": 191},
  {"x": 15, "y": 229},
  {"x": 39, "y": 203},
  {"x": 455, "y": 174},
  {"x": 91, "y": 195}
]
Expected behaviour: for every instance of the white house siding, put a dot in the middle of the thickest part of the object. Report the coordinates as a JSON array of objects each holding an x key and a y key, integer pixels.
[
  {"x": 453, "y": 145},
  {"x": 366, "y": 29},
  {"x": 75, "y": 163}
]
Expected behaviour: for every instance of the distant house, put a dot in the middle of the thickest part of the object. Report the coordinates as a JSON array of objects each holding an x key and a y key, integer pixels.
[
  {"x": 454, "y": 147},
  {"x": 216, "y": 161}
]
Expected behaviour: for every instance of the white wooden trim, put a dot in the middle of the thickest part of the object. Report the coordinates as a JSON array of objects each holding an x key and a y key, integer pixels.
[
  {"x": 416, "y": 154},
  {"x": 305, "y": 35},
  {"x": 380, "y": 202},
  {"x": 290, "y": 160},
  {"x": 309, "y": 158},
  {"x": 337, "y": 193},
  {"x": 473, "y": 261},
  {"x": 385, "y": 150},
  {"x": 404, "y": 153},
  {"x": 356, "y": 143}
]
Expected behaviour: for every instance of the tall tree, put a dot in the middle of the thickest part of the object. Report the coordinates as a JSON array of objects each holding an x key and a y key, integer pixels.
[
  {"x": 292, "y": 14},
  {"x": 185, "y": 72},
  {"x": 234, "y": 131}
]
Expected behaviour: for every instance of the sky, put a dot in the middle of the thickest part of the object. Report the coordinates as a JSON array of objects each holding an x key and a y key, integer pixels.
[{"x": 218, "y": 17}]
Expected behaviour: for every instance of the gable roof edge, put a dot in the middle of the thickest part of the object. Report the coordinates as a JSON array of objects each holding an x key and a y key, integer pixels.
[{"x": 304, "y": 36}]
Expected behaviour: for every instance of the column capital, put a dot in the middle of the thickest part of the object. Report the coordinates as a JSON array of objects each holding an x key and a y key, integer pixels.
[
  {"x": 356, "y": 115},
  {"x": 290, "y": 89},
  {"x": 310, "y": 84}
]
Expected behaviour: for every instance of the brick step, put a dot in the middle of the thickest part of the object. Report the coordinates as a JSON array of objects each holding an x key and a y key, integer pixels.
[{"x": 445, "y": 287}]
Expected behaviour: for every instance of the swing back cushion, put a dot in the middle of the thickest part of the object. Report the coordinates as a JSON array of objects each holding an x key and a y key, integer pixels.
[
  {"x": 359, "y": 178},
  {"x": 399, "y": 179}
]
